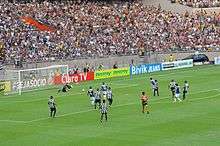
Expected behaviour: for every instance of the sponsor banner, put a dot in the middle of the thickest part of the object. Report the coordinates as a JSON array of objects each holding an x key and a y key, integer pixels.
[
  {"x": 73, "y": 78},
  {"x": 217, "y": 60},
  {"x": 145, "y": 68},
  {"x": 52, "y": 80},
  {"x": 29, "y": 84},
  {"x": 168, "y": 65},
  {"x": 120, "y": 72},
  {"x": 177, "y": 64},
  {"x": 103, "y": 74},
  {"x": 5, "y": 86}
]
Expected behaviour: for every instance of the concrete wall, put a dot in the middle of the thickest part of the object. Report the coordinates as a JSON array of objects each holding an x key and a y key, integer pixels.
[
  {"x": 122, "y": 61},
  {"x": 179, "y": 56},
  {"x": 163, "y": 57},
  {"x": 107, "y": 62}
]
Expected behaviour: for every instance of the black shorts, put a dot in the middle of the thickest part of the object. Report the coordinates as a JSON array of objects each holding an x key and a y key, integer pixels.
[
  {"x": 185, "y": 91},
  {"x": 97, "y": 100},
  {"x": 172, "y": 89},
  {"x": 110, "y": 99},
  {"x": 53, "y": 109},
  {"x": 64, "y": 90},
  {"x": 68, "y": 86}
]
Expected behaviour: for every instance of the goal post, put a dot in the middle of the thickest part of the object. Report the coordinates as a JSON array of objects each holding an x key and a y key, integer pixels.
[{"x": 34, "y": 79}]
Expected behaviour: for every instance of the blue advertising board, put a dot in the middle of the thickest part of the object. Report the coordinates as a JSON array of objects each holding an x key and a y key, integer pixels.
[{"x": 145, "y": 68}]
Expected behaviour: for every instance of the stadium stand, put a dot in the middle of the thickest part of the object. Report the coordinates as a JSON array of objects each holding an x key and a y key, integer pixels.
[{"x": 51, "y": 31}]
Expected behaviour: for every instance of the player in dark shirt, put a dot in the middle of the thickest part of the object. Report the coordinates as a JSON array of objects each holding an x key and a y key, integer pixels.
[
  {"x": 185, "y": 89},
  {"x": 177, "y": 93},
  {"x": 155, "y": 87},
  {"x": 65, "y": 88},
  {"x": 52, "y": 106}
]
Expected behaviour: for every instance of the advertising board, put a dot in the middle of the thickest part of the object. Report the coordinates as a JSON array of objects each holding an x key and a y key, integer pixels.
[
  {"x": 5, "y": 86},
  {"x": 145, "y": 68},
  {"x": 73, "y": 78},
  {"x": 177, "y": 64},
  {"x": 103, "y": 74}
]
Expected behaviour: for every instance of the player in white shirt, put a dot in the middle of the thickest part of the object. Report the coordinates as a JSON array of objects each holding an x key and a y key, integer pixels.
[
  {"x": 52, "y": 106},
  {"x": 104, "y": 88},
  {"x": 91, "y": 95},
  {"x": 172, "y": 86},
  {"x": 104, "y": 111},
  {"x": 97, "y": 98},
  {"x": 156, "y": 88},
  {"x": 109, "y": 96}
]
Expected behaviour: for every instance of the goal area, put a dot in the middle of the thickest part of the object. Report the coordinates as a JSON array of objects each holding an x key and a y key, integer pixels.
[{"x": 34, "y": 79}]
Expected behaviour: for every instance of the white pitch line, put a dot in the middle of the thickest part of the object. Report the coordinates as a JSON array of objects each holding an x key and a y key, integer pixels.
[
  {"x": 63, "y": 115},
  {"x": 12, "y": 121},
  {"x": 85, "y": 111},
  {"x": 133, "y": 85},
  {"x": 75, "y": 113},
  {"x": 39, "y": 99},
  {"x": 79, "y": 112},
  {"x": 207, "y": 97},
  {"x": 192, "y": 99},
  {"x": 203, "y": 91}
]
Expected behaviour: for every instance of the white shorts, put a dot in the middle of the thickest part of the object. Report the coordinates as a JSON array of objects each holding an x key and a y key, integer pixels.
[
  {"x": 92, "y": 98},
  {"x": 177, "y": 95}
]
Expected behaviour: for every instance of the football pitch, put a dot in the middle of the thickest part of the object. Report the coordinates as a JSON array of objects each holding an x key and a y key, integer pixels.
[{"x": 194, "y": 122}]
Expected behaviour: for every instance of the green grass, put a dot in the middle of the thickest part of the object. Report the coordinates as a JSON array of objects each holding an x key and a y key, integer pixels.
[{"x": 195, "y": 122}]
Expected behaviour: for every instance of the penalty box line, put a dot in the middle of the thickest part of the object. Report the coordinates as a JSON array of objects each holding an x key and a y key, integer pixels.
[{"x": 121, "y": 105}]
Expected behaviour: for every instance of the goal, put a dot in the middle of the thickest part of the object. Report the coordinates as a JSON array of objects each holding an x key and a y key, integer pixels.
[{"x": 34, "y": 79}]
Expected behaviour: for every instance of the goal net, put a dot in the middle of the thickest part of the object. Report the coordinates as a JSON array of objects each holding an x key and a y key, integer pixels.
[{"x": 35, "y": 79}]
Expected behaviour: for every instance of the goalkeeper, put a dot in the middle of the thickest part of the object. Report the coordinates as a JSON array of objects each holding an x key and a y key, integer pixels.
[{"x": 65, "y": 88}]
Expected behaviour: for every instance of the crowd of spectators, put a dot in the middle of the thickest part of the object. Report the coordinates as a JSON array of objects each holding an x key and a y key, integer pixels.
[
  {"x": 199, "y": 3},
  {"x": 99, "y": 29}
]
